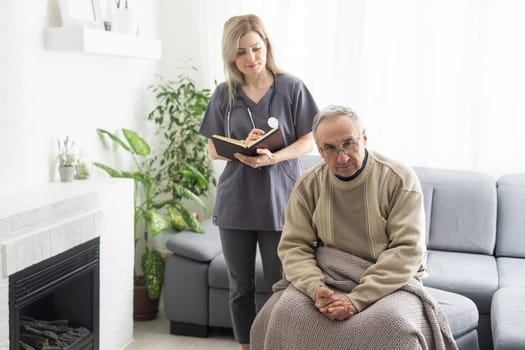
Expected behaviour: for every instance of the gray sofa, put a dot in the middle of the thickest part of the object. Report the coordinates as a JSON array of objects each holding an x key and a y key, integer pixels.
[
  {"x": 508, "y": 303},
  {"x": 476, "y": 257}
]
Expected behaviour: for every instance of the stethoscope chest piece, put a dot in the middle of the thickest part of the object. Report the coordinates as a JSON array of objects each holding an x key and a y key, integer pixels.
[{"x": 273, "y": 122}]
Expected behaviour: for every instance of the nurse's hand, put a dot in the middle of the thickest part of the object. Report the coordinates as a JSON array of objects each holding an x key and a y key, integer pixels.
[
  {"x": 264, "y": 158},
  {"x": 254, "y": 134}
]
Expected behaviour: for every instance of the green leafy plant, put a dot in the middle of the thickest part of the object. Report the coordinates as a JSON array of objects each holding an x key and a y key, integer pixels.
[
  {"x": 66, "y": 156},
  {"x": 178, "y": 115},
  {"x": 153, "y": 210}
]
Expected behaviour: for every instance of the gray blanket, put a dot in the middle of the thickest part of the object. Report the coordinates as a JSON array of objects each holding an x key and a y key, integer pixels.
[{"x": 409, "y": 318}]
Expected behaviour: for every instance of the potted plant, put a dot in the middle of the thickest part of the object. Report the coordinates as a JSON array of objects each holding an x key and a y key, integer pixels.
[
  {"x": 178, "y": 115},
  {"x": 81, "y": 170},
  {"x": 153, "y": 209},
  {"x": 66, "y": 159}
]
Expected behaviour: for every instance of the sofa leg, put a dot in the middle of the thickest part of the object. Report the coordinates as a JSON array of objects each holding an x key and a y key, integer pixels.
[{"x": 188, "y": 329}]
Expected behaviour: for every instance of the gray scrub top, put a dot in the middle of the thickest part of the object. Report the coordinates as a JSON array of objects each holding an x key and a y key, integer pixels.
[{"x": 255, "y": 199}]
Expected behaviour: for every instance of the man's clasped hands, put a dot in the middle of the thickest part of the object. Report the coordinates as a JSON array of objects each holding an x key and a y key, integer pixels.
[{"x": 335, "y": 306}]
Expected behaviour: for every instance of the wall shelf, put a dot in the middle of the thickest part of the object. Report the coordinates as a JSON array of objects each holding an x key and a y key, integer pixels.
[{"x": 87, "y": 40}]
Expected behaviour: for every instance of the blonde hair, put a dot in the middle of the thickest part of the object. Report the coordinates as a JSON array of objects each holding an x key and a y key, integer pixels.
[{"x": 234, "y": 29}]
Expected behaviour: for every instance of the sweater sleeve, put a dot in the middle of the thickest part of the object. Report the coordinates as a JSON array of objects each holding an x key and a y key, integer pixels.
[
  {"x": 298, "y": 243},
  {"x": 405, "y": 253}
]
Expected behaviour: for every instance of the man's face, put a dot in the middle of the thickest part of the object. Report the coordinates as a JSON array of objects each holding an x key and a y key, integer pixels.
[{"x": 341, "y": 145}]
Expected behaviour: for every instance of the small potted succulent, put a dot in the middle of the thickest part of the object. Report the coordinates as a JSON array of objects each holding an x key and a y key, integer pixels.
[
  {"x": 66, "y": 159},
  {"x": 81, "y": 170}
]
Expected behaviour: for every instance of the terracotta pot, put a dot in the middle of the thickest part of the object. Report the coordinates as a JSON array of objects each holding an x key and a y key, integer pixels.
[{"x": 144, "y": 308}]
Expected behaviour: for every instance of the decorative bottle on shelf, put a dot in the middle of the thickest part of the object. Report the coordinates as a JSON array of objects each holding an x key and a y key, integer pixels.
[{"x": 125, "y": 20}]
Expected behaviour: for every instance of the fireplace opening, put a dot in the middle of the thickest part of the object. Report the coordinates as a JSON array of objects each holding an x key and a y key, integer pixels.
[{"x": 54, "y": 304}]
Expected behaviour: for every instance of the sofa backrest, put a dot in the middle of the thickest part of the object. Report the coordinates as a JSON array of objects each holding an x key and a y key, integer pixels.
[
  {"x": 511, "y": 216},
  {"x": 309, "y": 160},
  {"x": 460, "y": 209}
]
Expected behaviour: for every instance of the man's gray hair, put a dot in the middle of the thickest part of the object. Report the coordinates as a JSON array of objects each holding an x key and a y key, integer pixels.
[{"x": 333, "y": 111}]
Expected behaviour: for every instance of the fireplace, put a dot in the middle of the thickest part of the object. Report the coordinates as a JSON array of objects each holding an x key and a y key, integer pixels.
[
  {"x": 56, "y": 301},
  {"x": 41, "y": 222}
]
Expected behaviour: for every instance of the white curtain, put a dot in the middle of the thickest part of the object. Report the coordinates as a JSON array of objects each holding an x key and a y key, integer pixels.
[{"x": 439, "y": 83}]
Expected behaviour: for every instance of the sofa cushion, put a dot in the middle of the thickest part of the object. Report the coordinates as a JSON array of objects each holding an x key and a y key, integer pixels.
[
  {"x": 511, "y": 272},
  {"x": 461, "y": 215},
  {"x": 218, "y": 275},
  {"x": 472, "y": 275},
  {"x": 507, "y": 319},
  {"x": 511, "y": 221},
  {"x": 196, "y": 246},
  {"x": 461, "y": 312}
]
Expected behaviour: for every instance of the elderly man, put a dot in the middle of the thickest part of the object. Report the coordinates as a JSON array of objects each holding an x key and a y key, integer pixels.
[{"x": 353, "y": 247}]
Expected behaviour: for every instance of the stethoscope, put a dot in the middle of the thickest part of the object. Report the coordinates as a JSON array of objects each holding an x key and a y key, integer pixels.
[{"x": 272, "y": 121}]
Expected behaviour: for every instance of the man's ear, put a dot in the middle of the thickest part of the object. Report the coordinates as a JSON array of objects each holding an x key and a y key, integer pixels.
[{"x": 363, "y": 135}]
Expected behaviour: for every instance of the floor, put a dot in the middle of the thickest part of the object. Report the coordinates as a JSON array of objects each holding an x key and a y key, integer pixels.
[{"x": 155, "y": 335}]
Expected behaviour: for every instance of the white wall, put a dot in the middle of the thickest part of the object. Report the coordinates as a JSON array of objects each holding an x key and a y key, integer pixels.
[
  {"x": 45, "y": 95},
  {"x": 439, "y": 82}
]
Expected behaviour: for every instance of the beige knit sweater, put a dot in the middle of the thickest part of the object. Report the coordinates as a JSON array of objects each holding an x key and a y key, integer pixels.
[{"x": 378, "y": 216}]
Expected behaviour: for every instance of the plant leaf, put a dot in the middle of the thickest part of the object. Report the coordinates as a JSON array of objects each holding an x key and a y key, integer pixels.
[
  {"x": 178, "y": 222},
  {"x": 114, "y": 137},
  {"x": 156, "y": 222},
  {"x": 185, "y": 193},
  {"x": 137, "y": 143},
  {"x": 197, "y": 175},
  {"x": 190, "y": 220},
  {"x": 112, "y": 172},
  {"x": 153, "y": 267}
]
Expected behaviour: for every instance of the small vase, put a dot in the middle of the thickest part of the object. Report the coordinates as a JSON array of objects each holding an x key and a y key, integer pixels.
[
  {"x": 66, "y": 173},
  {"x": 125, "y": 21}
]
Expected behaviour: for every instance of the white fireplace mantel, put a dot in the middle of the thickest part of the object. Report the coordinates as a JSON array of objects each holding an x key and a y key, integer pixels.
[{"x": 42, "y": 221}]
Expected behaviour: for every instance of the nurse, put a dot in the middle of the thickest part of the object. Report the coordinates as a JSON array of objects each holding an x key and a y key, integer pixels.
[{"x": 253, "y": 191}]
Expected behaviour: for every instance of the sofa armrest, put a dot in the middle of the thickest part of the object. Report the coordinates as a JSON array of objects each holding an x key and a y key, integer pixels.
[{"x": 196, "y": 246}]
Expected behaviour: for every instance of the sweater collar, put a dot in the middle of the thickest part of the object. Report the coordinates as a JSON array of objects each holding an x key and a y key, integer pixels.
[{"x": 356, "y": 174}]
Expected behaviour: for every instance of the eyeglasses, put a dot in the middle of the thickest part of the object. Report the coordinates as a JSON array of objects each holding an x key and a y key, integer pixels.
[{"x": 349, "y": 146}]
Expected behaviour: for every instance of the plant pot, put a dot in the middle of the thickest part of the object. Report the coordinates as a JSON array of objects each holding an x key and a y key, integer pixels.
[
  {"x": 144, "y": 309},
  {"x": 66, "y": 173}
]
